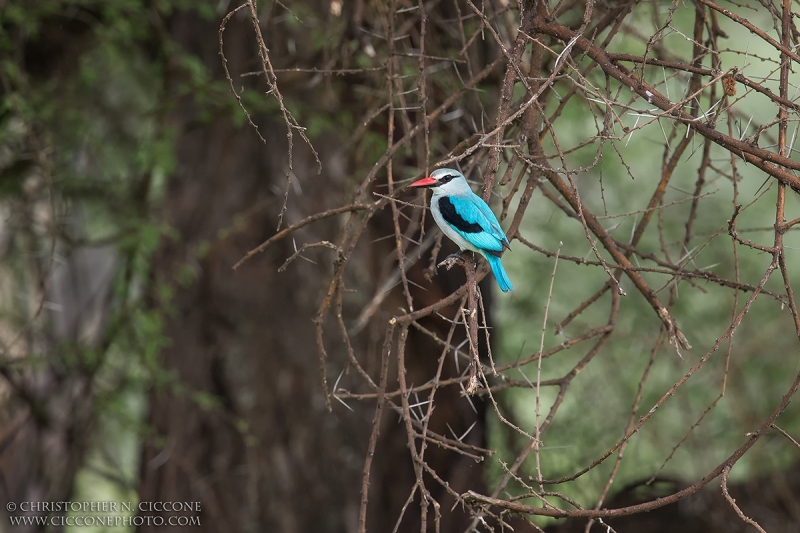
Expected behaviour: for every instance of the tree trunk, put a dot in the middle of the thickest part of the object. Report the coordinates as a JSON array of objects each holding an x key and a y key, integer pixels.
[{"x": 265, "y": 454}]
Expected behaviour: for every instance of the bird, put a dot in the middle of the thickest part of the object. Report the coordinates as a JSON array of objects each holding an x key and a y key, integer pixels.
[{"x": 466, "y": 219}]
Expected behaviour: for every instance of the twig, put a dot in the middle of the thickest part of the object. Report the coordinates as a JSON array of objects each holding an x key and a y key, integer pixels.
[{"x": 732, "y": 502}]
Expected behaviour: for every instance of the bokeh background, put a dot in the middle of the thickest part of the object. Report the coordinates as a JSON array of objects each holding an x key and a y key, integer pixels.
[{"x": 147, "y": 145}]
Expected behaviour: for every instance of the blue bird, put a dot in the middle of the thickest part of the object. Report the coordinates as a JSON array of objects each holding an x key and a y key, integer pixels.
[{"x": 464, "y": 217}]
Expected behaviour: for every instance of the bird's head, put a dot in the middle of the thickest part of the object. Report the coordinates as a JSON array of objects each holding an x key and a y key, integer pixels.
[{"x": 445, "y": 181}]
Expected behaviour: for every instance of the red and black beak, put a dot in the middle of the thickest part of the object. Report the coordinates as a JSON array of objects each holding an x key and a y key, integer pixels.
[{"x": 425, "y": 182}]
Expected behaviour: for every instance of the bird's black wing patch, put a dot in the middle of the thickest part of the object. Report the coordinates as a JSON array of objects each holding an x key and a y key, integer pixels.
[{"x": 452, "y": 217}]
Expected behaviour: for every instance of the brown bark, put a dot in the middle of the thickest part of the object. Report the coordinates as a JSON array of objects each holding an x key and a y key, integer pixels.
[{"x": 268, "y": 456}]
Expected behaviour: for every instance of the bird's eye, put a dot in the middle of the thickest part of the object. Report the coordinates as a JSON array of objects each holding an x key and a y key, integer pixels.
[{"x": 446, "y": 179}]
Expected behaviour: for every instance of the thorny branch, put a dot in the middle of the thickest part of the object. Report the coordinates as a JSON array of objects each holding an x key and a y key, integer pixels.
[{"x": 548, "y": 112}]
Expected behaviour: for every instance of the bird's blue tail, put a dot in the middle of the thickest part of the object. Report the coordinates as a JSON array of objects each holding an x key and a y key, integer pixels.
[{"x": 499, "y": 272}]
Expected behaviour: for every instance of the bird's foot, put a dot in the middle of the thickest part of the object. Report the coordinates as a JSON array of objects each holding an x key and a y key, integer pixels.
[{"x": 453, "y": 259}]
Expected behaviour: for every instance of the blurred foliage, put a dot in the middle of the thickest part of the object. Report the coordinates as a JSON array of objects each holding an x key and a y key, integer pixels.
[
  {"x": 86, "y": 152},
  {"x": 595, "y": 410},
  {"x": 84, "y": 135}
]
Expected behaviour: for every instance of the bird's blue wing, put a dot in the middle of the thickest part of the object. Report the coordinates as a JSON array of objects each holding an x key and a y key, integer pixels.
[{"x": 472, "y": 219}]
